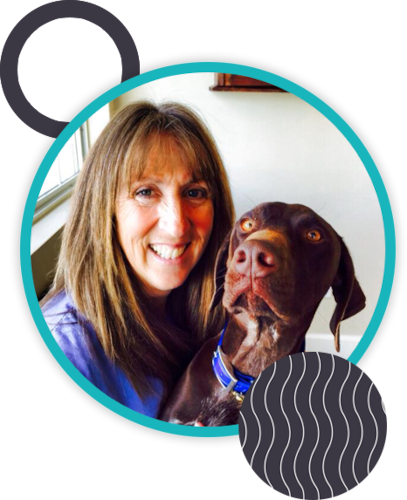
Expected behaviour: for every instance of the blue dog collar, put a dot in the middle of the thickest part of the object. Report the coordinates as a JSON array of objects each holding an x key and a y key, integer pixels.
[{"x": 237, "y": 381}]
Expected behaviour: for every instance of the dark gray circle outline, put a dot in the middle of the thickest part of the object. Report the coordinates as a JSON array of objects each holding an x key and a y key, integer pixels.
[{"x": 34, "y": 20}]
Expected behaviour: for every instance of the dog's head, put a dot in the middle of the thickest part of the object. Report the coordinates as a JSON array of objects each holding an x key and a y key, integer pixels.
[{"x": 279, "y": 261}]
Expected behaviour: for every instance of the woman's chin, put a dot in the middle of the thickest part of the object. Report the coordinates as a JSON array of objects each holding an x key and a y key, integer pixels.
[
  {"x": 168, "y": 274},
  {"x": 163, "y": 287}
]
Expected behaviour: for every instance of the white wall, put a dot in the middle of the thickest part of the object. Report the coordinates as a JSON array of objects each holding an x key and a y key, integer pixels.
[
  {"x": 97, "y": 123},
  {"x": 277, "y": 147}
]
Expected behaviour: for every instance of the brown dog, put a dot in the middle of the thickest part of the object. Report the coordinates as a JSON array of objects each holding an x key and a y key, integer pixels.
[{"x": 272, "y": 272}]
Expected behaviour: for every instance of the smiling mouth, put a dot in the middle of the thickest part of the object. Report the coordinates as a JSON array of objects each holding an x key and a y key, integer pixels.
[{"x": 168, "y": 252}]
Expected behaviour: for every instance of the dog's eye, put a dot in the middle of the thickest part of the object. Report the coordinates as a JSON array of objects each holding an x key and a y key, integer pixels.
[
  {"x": 313, "y": 235},
  {"x": 246, "y": 225}
]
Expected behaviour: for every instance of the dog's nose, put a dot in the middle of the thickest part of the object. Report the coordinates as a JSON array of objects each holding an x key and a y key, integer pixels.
[{"x": 253, "y": 257}]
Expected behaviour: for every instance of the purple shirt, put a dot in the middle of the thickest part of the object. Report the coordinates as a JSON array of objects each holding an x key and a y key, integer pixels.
[{"x": 79, "y": 342}]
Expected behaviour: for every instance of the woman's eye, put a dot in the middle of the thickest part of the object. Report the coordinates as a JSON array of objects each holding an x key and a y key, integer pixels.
[
  {"x": 247, "y": 225},
  {"x": 144, "y": 193},
  {"x": 313, "y": 235},
  {"x": 196, "y": 193}
]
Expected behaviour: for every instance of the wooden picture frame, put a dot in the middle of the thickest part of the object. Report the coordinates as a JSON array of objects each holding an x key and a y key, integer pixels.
[{"x": 226, "y": 82}]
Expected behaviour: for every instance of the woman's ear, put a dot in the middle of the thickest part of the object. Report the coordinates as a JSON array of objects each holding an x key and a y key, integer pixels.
[
  {"x": 220, "y": 271},
  {"x": 349, "y": 297}
]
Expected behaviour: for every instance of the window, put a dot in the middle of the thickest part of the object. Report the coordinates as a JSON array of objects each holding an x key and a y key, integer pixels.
[{"x": 61, "y": 178}]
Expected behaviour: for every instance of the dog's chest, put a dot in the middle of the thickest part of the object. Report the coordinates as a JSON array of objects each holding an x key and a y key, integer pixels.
[
  {"x": 220, "y": 408},
  {"x": 258, "y": 350}
]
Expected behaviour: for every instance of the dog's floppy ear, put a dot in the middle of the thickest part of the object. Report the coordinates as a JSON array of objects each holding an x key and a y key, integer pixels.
[
  {"x": 347, "y": 292},
  {"x": 220, "y": 271}
]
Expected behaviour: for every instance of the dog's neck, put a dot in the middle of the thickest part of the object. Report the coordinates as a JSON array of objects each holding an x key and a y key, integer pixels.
[{"x": 252, "y": 344}]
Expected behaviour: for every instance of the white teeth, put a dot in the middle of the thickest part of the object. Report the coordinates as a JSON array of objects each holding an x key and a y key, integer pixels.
[{"x": 167, "y": 252}]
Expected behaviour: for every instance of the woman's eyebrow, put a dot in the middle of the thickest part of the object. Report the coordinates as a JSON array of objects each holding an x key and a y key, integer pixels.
[{"x": 160, "y": 180}]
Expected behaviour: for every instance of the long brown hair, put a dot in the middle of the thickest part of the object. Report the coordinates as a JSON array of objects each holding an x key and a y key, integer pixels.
[{"x": 93, "y": 269}]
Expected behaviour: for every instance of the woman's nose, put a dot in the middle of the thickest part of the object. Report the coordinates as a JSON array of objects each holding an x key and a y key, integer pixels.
[{"x": 174, "y": 219}]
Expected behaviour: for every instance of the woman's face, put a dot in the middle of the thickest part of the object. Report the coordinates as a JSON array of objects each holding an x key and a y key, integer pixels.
[{"x": 165, "y": 222}]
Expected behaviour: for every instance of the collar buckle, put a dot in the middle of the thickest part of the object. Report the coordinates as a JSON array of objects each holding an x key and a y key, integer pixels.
[{"x": 239, "y": 396}]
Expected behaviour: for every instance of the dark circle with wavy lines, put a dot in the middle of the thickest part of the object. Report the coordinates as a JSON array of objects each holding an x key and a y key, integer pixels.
[{"x": 312, "y": 426}]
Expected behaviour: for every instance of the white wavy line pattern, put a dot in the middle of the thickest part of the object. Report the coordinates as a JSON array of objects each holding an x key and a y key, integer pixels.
[
  {"x": 330, "y": 423},
  {"x": 245, "y": 431},
  {"x": 347, "y": 427},
  {"x": 377, "y": 430},
  {"x": 289, "y": 427},
  {"x": 309, "y": 468},
  {"x": 361, "y": 429},
  {"x": 257, "y": 418},
  {"x": 383, "y": 407},
  {"x": 302, "y": 426},
  {"x": 272, "y": 423},
  {"x": 316, "y": 421}
]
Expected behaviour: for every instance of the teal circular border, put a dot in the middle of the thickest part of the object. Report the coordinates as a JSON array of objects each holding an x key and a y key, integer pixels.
[{"x": 179, "y": 69}]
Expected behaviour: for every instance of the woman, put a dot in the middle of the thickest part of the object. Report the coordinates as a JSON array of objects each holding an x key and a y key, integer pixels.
[{"x": 130, "y": 301}]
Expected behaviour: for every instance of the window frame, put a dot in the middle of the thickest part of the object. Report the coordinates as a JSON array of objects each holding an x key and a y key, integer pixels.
[{"x": 53, "y": 198}]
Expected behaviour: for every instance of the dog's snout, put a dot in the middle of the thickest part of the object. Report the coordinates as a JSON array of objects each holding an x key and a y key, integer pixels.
[{"x": 254, "y": 258}]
